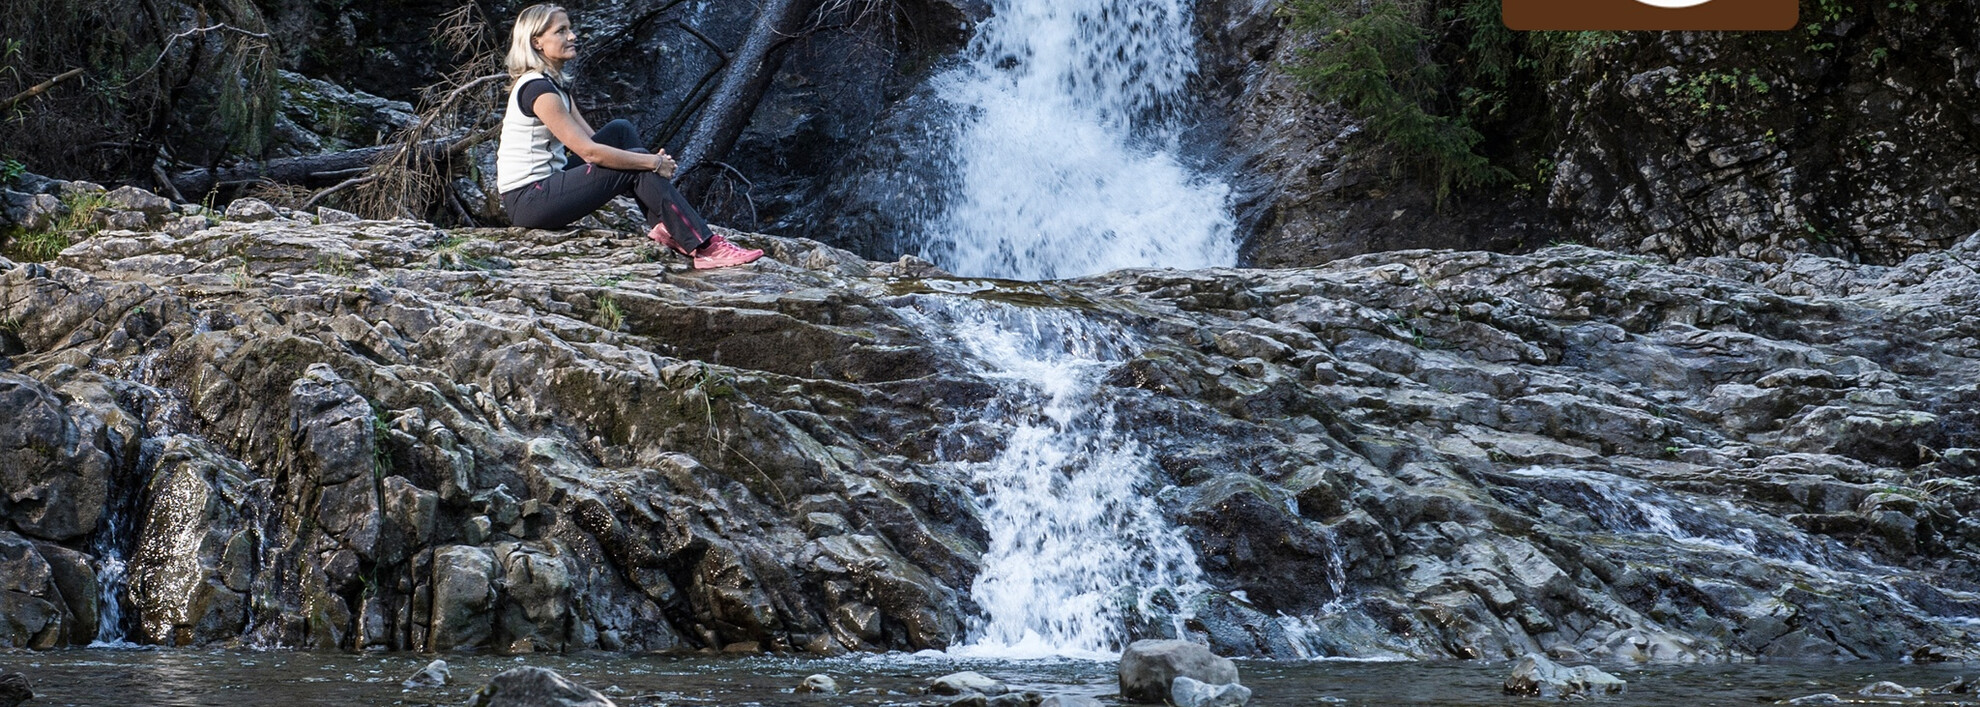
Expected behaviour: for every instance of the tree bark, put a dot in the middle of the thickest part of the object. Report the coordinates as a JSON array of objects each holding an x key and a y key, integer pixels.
[{"x": 743, "y": 83}]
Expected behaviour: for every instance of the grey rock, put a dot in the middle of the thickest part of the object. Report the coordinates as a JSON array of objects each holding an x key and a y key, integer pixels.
[
  {"x": 819, "y": 684},
  {"x": 1889, "y": 689},
  {"x": 1012, "y": 699},
  {"x": 1148, "y": 667},
  {"x": 1189, "y": 692},
  {"x": 966, "y": 682},
  {"x": 54, "y": 476},
  {"x": 1824, "y": 698},
  {"x": 251, "y": 210},
  {"x": 325, "y": 214},
  {"x": 1536, "y": 676},
  {"x": 535, "y": 687},
  {"x": 152, "y": 208},
  {"x": 1069, "y": 701},
  {"x": 435, "y": 674}
]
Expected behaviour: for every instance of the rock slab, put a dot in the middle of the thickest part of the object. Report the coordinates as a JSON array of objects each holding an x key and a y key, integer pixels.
[
  {"x": 535, "y": 687},
  {"x": 1536, "y": 676},
  {"x": 1149, "y": 667}
]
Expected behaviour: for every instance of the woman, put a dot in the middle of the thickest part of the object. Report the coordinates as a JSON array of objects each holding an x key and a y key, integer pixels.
[{"x": 553, "y": 168}]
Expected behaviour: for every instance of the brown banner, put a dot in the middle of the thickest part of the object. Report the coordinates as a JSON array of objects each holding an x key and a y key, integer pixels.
[{"x": 1639, "y": 15}]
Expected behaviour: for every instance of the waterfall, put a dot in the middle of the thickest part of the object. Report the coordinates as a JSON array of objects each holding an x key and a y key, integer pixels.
[
  {"x": 111, "y": 540},
  {"x": 1079, "y": 546},
  {"x": 1067, "y": 158}
]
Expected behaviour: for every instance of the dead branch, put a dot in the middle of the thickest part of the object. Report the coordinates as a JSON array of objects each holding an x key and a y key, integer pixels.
[
  {"x": 305, "y": 171},
  {"x": 169, "y": 41},
  {"x": 40, "y": 88}
]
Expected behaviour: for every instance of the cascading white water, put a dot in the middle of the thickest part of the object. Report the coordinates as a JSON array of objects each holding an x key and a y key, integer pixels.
[
  {"x": 1066, "y": 160},
  {"x": 1078, "y": 543}
]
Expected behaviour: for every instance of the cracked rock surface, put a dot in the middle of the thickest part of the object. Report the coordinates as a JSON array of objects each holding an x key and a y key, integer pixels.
[{"x": 385, "y": 435}]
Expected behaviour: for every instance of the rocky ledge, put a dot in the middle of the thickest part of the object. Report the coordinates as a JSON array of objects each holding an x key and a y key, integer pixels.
[{"x": 382, "y": 435}]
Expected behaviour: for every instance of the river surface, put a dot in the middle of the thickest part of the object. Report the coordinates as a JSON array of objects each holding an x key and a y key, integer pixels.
[{"x": 299, "y": 679}]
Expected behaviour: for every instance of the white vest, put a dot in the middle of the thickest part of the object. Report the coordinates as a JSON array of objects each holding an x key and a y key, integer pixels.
[{"x": 528, "y": 152}]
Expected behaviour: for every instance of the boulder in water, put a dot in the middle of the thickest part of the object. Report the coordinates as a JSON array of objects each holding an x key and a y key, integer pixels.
[
  {"x": 1824, "y": 698},
  {"x": 535, "y": 687},
  {"x": 435, "y": 674},
  {"x": 1889, "y": 689},
  {"x": 821, "y": 684},
  {"x": 14, "y": 689},
  {"x": 1536, "y": 676},
  {"x": 966, "y": 682},
  {"x": 1190, "y": 692},
  {"x": 1148, "y": 668},
  {"x": 1959, "y": 686},
  {"x": 1069, "y": 701}
]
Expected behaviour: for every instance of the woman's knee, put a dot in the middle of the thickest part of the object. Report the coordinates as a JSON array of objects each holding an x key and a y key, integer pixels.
[{"x": 618, "y": 133}]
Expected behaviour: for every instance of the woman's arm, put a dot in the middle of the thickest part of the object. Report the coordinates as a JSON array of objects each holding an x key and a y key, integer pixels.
[{"x": 571, "y": 130}]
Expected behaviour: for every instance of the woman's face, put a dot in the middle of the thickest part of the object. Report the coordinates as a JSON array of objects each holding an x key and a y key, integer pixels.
[{"x": 558, "y": 42}]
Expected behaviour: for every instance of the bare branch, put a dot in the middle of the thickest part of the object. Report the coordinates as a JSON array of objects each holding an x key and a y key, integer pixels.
[
  {"x": 169, "y": 41},
  {"x": 39, "y": 88}
]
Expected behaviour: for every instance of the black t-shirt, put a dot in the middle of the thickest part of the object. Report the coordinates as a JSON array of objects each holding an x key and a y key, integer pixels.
[{"x": 535, "y": 88}]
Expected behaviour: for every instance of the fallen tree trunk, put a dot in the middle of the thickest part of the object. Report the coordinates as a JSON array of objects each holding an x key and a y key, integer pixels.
[
  {"x": 308, "y": 170},
  {"x": 743, "y": 83}
]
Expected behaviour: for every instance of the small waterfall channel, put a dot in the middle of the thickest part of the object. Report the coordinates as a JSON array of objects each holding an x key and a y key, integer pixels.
[
  {"x": 1067, "y": 162},
  {"x": 1079, "y": 547}
]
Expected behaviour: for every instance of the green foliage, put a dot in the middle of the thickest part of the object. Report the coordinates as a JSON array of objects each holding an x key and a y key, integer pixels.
[
  {"x": 11, "y": 170},
  {"x": 1710, "y": 92},
  {"x": 1426, "y": 75},
  {"x": 79, "y": 222},
  {"x": 609, "y": 314}
]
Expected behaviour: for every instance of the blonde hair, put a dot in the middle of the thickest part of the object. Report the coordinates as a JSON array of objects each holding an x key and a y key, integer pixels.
[{"x": 523, "y": 56}]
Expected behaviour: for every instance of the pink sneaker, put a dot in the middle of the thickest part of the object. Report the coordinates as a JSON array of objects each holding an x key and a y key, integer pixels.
[
  {"x": 720, "y": 253},
  {"x": 660, "y": 235}
]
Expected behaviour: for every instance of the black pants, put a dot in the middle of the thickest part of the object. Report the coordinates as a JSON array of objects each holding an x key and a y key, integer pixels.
[{"x": 580, "y": 188}]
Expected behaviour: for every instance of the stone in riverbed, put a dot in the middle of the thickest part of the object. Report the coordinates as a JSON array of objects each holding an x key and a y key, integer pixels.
[
  {"x": 1149, "y": 667},
  {"x": 1536, "y": 676},
  {"x": 820, "y": 684},
  {"x": 535, "y": 687},
  {"x": 1190, "y": 692},
  {"x": 435, "y": 674},
  {"x": 966, "y": 682},
  {"x": 1888, "y": 689},
  {"x": 14, "y": 690},
  {"x": 1069, "y": 701}
]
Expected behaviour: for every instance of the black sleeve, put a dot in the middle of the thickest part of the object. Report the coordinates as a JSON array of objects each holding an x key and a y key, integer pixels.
[{"x": 526, "y": 98}]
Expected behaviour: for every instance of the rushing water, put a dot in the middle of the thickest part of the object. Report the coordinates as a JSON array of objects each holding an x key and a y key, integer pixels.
[
  {"x": 1066, "y": 161},
  {"x": 305, "y": 679},
  {"x": 1077, "y": 541}
]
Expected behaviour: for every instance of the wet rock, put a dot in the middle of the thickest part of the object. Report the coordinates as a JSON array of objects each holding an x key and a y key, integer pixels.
[
  {"x": 1069, "y": 701},
  {"x": 966, "y": 682},
  {"x": 1889, "y": 689},
  {"x": 535, "y": 687},
  {"x": 1824, "y": 698},
  {"x": 1148, "y": 667},
  {"x": 1536, "y": 676},
  {"x": 819, "y": 684},
  {"x": 54, "y": 475},
  {"x": 1958, "y": 686},
  {"x": 463, "y": 593},
  {"x": 1189, "y": 692},
  {"x": 435, "y": 674},
  {"x": 14, "y": 690}
]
